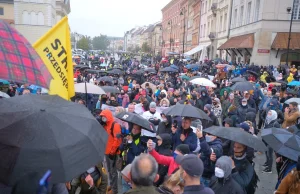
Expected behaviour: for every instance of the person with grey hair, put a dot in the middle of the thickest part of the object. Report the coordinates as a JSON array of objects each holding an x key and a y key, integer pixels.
[{"x": 143, "y": 174}]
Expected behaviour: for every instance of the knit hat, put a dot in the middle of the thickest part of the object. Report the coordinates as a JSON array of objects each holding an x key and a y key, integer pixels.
[
  {"x": 244, "y": 126},
  {"x": 228, "y": 121},
  {"x": 183, "y": 148},
  {"x": 208, "y": 107},
  {"x": 152, "y": 105}
]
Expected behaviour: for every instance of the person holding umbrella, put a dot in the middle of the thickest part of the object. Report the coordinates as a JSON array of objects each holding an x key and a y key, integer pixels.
[
  {"x": 113, "y": 129},
  {"x": 291, "y": 114}
]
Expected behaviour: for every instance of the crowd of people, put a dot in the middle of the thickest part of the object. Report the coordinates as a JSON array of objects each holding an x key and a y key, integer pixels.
[{"x": 178, "y": 156}]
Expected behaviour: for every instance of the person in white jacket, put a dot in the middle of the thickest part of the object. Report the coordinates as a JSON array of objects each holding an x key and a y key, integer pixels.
[{"x": 152, "y": 116}]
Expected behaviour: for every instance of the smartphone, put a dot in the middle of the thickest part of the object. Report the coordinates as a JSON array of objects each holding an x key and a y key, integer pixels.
[
  {"x": 199, "y": 126},
  {"x": 44, "y": 182},
  {"x": 153, "y": 145}
]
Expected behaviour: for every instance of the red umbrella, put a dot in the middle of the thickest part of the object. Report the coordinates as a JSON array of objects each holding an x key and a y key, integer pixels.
[{"x": 19, "y": 61}]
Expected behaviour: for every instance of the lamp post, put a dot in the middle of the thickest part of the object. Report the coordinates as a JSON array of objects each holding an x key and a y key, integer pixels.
[
  {"x": 170, "y": 23},
  {"x": 290, "y": 32},
  {"x": 183, "y": 39}
]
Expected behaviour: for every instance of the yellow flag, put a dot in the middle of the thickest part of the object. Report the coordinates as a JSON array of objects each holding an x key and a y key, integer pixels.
[{"x": 54, "y": 49}]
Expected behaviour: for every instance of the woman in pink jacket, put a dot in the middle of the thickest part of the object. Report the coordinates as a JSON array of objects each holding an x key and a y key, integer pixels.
[{"x": 169, "y": 161}]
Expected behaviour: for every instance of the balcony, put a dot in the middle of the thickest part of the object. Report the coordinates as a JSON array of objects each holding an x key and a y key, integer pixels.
[{"x": 212, "y": 36}]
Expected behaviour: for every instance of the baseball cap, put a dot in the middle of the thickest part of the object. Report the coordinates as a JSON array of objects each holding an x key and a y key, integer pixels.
[
  {"x": 244, "y": 126},
  {"x": 191, "y": 164}
]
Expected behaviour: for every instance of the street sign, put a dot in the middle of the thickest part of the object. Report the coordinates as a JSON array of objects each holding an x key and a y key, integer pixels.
[{"x": 263, "y": 50}]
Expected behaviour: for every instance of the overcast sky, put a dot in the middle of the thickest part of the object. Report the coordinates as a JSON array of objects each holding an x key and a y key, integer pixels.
[{"x": 113, "y": 17}]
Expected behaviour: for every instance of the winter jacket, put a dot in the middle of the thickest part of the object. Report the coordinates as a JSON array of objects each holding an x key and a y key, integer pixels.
[
  {"x": 280, "y": 115},
  {"x": 113, "y": 142},
  {"x": 153, "y": 118},
  {"x": 143, "y": 189},
  {"x": 197, "y": 189},
  {"x": 285, "y": 185},
  {"x": 290, "y": 118},
  {"x": 225, "y": 186},
  {"x": 209, "y": 166},
  {"x": 273, "y": 123},
  {"x": 217, "y": 109},
  {"x": 286, "y": 168},
  {"x": 205, "y": 99},
  {"x": 133, "y": 149},
  {"x": 164, "y": 127},
  {"x": 191, "y": 138},
  {"x": 165, "y": 160},
  {"x": 242, "y": 111},
  {"x": 243, "y": 172}
]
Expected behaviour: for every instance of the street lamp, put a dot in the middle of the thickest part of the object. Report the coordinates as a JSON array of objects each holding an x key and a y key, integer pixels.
[
  {"x": 289, "y": 9},
  {"x": 182, "y": 13},
  {"x": 170, "y": 23}
]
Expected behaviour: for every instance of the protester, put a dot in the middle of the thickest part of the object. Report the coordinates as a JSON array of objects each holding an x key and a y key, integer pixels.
[{"x": 291, "y": 114}]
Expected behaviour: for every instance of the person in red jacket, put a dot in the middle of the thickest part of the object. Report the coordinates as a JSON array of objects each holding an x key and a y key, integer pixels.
[
  {"x": 169, "y": 161},
  {"x": 113, "y": 129}
]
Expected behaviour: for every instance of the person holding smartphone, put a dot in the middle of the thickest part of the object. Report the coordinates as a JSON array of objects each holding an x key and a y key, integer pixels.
[{"x": 211, "y": 150}]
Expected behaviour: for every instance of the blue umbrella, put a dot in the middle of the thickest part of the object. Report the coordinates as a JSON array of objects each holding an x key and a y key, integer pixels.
[
  {"x": 294, "y": 83},
  {"x": 174, "y": 67},
  {"x": 5, "y": 82}
]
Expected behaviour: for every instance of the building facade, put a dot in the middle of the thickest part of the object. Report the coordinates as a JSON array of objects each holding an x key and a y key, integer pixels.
[
  {"x": 259, "y": 32},
  {"x": 33, "y": 18},
  {"x": 156, "y": 39},
  {"x": 171, "y": 29},
  {"x": 7, "y": 11}
]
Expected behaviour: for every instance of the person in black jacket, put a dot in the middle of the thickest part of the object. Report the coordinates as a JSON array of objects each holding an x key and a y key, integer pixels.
[
  {"x": 270, "y": 122},
  {"x": 243, "y": 110},
  {"x": 222, "y": 181},
  {"x": 165, "y": 125},
  {"x": 163, "y": 147},
  {"x": 214, "y": 120}
]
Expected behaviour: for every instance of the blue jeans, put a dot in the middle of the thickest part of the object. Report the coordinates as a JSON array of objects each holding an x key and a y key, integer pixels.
[
  {"x": 205, "y": 181},
  {"x": 125, "y": 186}
]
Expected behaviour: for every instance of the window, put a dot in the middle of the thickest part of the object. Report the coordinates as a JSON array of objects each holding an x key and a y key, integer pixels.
[
  {"x": 201, "y": 31},
  {"x": 33, "y": 18},
  {"x": 257, "y": 10},
  {"x": 225, "y": 22},
  {"x": 41, "y": 19},
  {"x": 249, "y": 13},
  {"x": 205, "y": 6},
  {"x": 25, "y": 17},
  {"x": 212, "y": 25},
  {"x": 208, "y": 27},
  {"x": 241, "y": 16},
  {"x": 234, "y": 18},
  {"x": 221, "y": 23},
  {"x": 296, "y": 10},
  {"x": 204, "y": 32}
]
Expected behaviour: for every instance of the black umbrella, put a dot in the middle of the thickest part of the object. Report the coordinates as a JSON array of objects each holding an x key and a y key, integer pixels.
[
  {"x": 237, "y": 135},
  {"x": 136, "y": 119},
  {"x": 110, "y": 89},
  {"x": 253, "y": 73},
  {"x": 283, "y": 142},
  {"x": 150, "y": 70},
  {"x": 116, "y": 72},
  {"x": 238, "y": 79},
  {"x": 105, "y": 79},
  {"x": 186, "y": 110},
  {"x": 168, "y": 69},
  {"x": 80, "y": 66},
  {"x": 92, "y": 70},
  {"x": 242, "y": 86},
  {"x": 40, "y": 133}
]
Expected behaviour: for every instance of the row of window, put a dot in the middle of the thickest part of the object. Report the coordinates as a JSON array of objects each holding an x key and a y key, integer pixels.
[
  {"x": 239, "y": 19},
  {"x": 205, "y": 30},
  {"x": 34, "y": 1},
  {"x": 33, "y": 18}
]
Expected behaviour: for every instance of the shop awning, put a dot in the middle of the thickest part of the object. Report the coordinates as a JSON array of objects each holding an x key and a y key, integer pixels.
[
  {"x": 281, "y": 41},
  {"x": 239, "y": 42},
  {"x": 196, "y": 49}
]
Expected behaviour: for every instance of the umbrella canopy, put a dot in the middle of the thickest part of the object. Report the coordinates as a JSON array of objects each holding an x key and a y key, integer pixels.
[
  {"x": 168, "y": 69},
  {"x": 237, "y": 135},
  {"x": 110, "y": 89},
  {"x": 242, "y": 86},
  {"x": 19, "y": 61},
  {"x": 292, "y": 100},
  {"x": 185, "y": 77},
  {"x": 88, "y": 88},
  {"x": 193, "y": 66},
  {"x": 116, "y": 72},
  {"x": 40, "y": 133},
  {"x": 151, "y": 85},
  {"x": 253, "y": 73},
  {"x": 294, "y": 83},
  {"x": 136, "y": 119},
  {"x": 238, "y": 79},
  {"x": 4, "y": 95},
  {"x": 4, "y": 82},
  {"x": 194, "y": 77},
  {"x": 105, "y": 79},
  {"x": 92, "y": 71},
  {"x": 184, "y": 110},
  {"x": 150, "y": 70},
  {"x": 283, "y": 142},
  {"x": 203, "y": 82}
]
